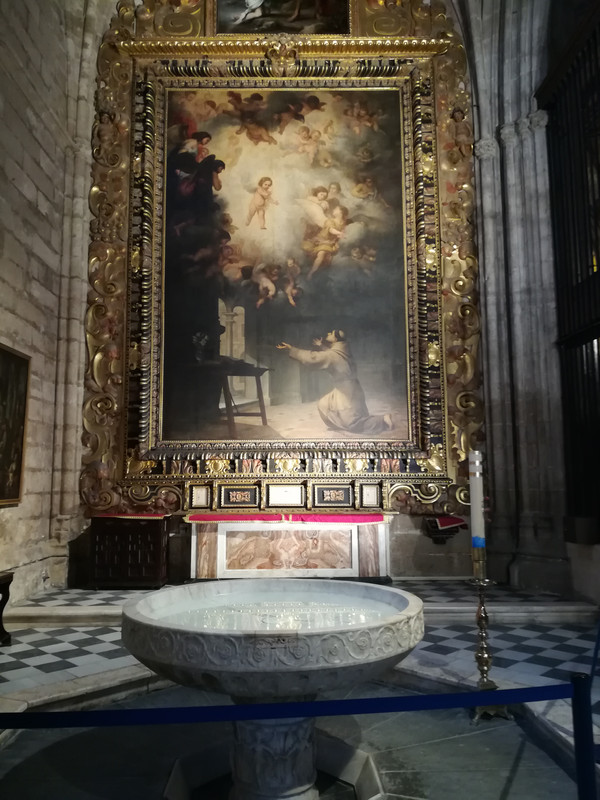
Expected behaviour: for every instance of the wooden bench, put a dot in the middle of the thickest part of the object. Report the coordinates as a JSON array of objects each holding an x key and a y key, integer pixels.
[{"x": 5, "y": 582}]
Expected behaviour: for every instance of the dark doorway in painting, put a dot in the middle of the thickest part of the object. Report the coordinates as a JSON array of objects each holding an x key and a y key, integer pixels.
[
  {"x": 325, "y": 17},
  {"x": 284, "y": 266}
]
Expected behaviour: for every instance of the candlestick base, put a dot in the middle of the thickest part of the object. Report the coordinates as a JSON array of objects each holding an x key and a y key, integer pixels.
[
  {"x": 483, "y": 656},
  {"x": 488, "y": 712}
]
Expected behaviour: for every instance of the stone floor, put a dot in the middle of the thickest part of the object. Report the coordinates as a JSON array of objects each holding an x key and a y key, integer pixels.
[
  {"x": 65, "y": 663},
  {"x": 432, "y": 755}
]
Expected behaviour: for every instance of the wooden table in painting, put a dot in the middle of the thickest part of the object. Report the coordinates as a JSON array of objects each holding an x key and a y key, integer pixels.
[
  {"x": 224, "y": 368},
  {"x": 5, "y": 581}
]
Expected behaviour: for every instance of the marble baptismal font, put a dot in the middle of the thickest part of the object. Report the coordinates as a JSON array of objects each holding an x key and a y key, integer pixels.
[{"x": 273, "y": 640}]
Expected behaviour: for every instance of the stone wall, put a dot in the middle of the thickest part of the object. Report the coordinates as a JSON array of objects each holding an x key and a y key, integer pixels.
[
  {"x": 44, "y": 169},
  {"x": 414, "y": 555},
  {"x": 33, "y": 102}
]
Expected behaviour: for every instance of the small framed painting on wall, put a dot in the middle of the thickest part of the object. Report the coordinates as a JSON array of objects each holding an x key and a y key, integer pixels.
[{"x": 14, "y": 381}]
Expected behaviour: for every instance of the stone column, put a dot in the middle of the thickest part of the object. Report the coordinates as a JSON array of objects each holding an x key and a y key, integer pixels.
[
  {"x": 540, "y": 560},
  {"x": 496, "y": 363},
  {"x": 506, "y": 43},
  {"x": 274, "y": 759}
]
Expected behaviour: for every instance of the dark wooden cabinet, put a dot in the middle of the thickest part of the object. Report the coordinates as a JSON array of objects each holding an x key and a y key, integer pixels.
[{"x": 128, "y": 552}]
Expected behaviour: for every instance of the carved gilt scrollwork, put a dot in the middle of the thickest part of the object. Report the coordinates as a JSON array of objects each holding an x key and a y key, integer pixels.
[{"x": 404, "y": 18}]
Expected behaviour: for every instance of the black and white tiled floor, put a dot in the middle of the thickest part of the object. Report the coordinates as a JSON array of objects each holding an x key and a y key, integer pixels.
[
  {"x": 81, "y": 597},
  {"x": 41, "y": 656},
  {"x": 531, "y": 655},
  {"x": 430, "y": 591}
]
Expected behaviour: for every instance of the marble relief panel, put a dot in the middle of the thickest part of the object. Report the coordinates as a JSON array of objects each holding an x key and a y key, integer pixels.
[{"x": 245, "y": 550}]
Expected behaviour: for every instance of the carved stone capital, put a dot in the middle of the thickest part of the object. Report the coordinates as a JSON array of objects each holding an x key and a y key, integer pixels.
[
  {"x": 539, "y": 119},
  {"x": 274, "y": 758},
  {"x": 486, "y": 149}
]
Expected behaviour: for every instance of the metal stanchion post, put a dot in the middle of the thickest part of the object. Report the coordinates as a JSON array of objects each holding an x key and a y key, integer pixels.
[{"x": 583, "y": 736}]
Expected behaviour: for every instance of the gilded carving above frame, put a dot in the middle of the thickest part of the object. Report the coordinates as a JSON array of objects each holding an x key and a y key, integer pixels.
[{"x": 158, "y": 52}]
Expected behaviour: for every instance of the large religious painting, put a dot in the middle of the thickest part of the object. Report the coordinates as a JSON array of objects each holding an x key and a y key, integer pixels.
[
  {"x": 14, "y": 376},
  {"x": 284, "y": 265},
  {"x": 283, "y": 280},
  {"x": 327, "y": 17}
]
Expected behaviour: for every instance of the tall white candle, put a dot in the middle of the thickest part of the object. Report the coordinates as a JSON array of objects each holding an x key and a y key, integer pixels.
[{"x": 476, "y": 495}]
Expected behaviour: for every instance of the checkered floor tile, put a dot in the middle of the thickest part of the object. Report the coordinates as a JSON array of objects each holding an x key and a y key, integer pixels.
[
  {"x": 48, "y": 655},
  {"x": 532, "y": 654},
  {"x": 535, "y": 654},
  {"x": 431, "y": 591},
  {"x": 457, "y": 591},
  {"x": 81, "y": 597}
]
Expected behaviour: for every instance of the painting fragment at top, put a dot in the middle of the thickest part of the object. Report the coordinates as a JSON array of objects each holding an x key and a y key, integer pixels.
[{"x": 325, "y": 17}]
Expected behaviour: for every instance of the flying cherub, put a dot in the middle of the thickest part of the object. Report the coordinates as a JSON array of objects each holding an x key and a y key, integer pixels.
[
  {"x": 315, "y": 209},
  {"x": 261, "y": 199},
  {"x": 248, "y": 112},
  {"x": 265, "y": 276},
  {"x": 287, "y": 114},
  {"x": 312, "y": 103},
  {"x": 292, "y": 272},
  {"x": 359, "y": 115}
]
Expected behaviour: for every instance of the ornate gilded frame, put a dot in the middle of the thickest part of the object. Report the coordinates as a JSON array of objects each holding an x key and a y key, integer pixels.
[{"x": 125, "y": 469}]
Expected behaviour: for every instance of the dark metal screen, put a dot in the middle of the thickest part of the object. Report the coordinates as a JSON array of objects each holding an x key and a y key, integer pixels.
[{"x": 573, "y": 104}]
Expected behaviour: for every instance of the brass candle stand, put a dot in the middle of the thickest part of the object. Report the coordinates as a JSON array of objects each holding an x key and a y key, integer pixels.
[{"x": 483, "y": 655}]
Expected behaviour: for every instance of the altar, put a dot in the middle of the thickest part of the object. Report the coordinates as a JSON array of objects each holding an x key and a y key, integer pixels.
[{"x": 291, "y": 545}]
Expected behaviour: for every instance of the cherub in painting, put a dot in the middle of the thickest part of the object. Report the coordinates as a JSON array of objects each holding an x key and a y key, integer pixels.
[
  {"x": 359, "y": 116},
  {"x": 302, "y": 139},
  {"x": 289, "y": 113},
  {"x": 308, "y": 143},
  {"x": 365, "y": 188},
  {"x": 312, "y": 146},
  {"x": 334, "y": 194},
  {"x": 312, "y": 103},
  {"x": 265, "y": 276},
  {"x": 323, "y": 246},
  {"x": 319, "y": 196},
  {"x": 261, "y": 199},
  {"x": 247, "y": 110},
  {"x": 292, "y": 272},
  {"x": 316, "y": 209}
]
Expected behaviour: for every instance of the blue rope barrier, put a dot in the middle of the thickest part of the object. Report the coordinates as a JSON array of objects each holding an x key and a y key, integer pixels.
[{"x": 319, "y": 708}]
